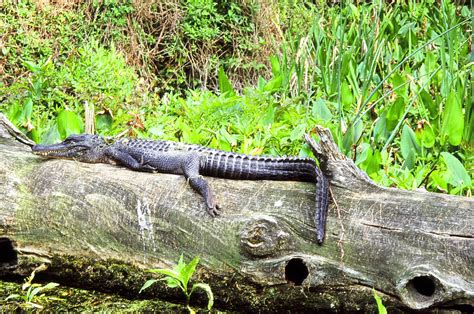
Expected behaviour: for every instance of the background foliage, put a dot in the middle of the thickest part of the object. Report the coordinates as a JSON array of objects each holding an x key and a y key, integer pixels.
[{"x": 393, "y": 81}]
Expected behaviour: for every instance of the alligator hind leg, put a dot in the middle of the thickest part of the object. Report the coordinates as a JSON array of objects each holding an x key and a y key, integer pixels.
[{"x": 190, "y": 169}]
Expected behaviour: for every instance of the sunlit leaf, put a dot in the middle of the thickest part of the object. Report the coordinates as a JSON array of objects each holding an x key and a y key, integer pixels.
[
  {"x": 275, "y": 65},
  {"x": 409, "y": 144},
  {"x": 103, "y": 122},
  {"x": 69, "y": 123},
  {"x": 380, "y": 307},
  {"x": 320, "y": 110},
  {"x": 207, "y": 289},
  {"x": 147, "y": 284},
  {"x": 453, "y": 120},
  {"x": 458, "y": 174},
  {"x": 224, "y": 84},
  {"x": 425, "y": 135}
]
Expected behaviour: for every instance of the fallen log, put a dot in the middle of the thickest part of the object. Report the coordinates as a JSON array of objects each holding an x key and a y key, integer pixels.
[{"x": 99, "y": 227}]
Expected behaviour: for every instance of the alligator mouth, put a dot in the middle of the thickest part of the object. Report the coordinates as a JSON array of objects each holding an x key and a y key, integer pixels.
[{"x": 50, "y": 151}]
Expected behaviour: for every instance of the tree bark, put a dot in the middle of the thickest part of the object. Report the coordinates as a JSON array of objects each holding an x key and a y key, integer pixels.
[{"x": 99, "y": 227}]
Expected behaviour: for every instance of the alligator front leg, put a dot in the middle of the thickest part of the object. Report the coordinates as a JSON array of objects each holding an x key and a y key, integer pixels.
[
  {"x": 190, "y": 167},
  {"x": 123, "y": 159}
]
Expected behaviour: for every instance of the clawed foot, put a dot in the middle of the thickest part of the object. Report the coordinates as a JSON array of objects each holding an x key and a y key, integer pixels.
[{"x": 214, "y": 211}]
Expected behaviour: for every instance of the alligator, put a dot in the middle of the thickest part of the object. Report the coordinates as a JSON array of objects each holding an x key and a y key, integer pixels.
[{"x": 194, "y": 162}]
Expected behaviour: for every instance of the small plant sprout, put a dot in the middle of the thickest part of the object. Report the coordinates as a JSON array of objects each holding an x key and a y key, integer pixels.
[
  {"x": 380, "y": 307},
  {"x": 34, "y": 295},
  {"x": 179, "y": 277}
]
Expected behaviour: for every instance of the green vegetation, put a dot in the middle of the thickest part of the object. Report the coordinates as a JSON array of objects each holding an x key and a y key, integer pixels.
[
  {"x": 179, "y": 277},
  {"x": 393, "y": 82},
  {"x": 380, "y": 307},
  {"x": 33, "y": 293}
]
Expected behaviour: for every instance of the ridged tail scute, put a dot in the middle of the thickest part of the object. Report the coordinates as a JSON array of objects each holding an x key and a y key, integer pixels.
[
  {"x": 322, "y": 202},
  {"x": 244, "y": 167}
]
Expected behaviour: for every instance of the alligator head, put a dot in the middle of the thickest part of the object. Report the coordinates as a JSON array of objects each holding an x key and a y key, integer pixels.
[{"x": 85, "y": 148}]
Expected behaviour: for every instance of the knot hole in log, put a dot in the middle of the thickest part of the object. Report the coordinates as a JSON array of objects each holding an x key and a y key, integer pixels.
[
  {"x": 8, "y": 258},
  {"x": 421, "y": 288},
  {"x": 296, "y": 271},
  {"x": 262, "y": 236}
]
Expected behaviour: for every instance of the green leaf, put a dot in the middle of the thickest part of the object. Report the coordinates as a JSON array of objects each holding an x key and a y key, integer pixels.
[
  {"x": 31, "y": 66},
  {"x": 396, "y": 110},
  {"x": 381, "y": 308},
  {"x": 12, "y": 296},
  {"x": 27, "y": 111},
  {"x": 458, "y": 174},
  {"x": 409, "y": 143},
  {"x": 69, "y": 123},
  {"x": 319, "y": 110},
  {"x": 346, "y": 96},
  {"x": 207, "y": 289},
  {"x": 298, "y": 132},
  {"x": 50, "y": 285},
  {"x": 31, "y": 294},
  {"x": 188, "y": 271},
  {"x": 103, "y": 122},
  {"x": 147, "y": 284},
  {"x": 224, "y": 84},
  {"x": 425, "y": 135},
  {"x": 51, "y": 136},
  {"x": 273, "y": 85},
  {"x": 453, "y": 120},
  {"x": 275, "y": 65},
  {"x": 269, "y": 115},
  {"x": 166, "y": 272}
]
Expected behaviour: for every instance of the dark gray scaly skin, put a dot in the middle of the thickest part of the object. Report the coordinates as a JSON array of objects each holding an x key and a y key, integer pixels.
[{"x": 193, "y": 161}]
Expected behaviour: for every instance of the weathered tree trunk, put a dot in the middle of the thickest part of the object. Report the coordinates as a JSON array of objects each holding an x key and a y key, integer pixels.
[{"x": 98, "y": 226}]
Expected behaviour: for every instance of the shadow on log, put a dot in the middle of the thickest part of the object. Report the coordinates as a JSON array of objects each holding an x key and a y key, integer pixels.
[{"x": 99, "y": 226}]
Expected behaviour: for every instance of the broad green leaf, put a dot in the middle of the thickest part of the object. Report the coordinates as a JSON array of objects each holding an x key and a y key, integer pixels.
[
  {"x": 380, "y": 307},
  {"x": 103, "y": 122},
  {"x": 319, "y": 110},
  {"x": 229, "y": 140},
  {"x": 410, "y": 159},
  {"x": 224, "y": 84},
  {"x": 273, "y": 85},
  {"x": 352, "y": 135},
  {"x": 398, "y": 82},
  {"x": 12, "y": 296},
  {"x": 51, "y": 136},
  {"x": 147, "y": 284},
  {"x": 406, "y": 27},
  {"x": 275, "y": 65},
  {"x": 207, "y": 289},
  {"x": 31, "y": 66},
  {"x": 298, "y": 132},
  {"x": 35, "y": 305},
  {"x": 69, "y": 123},
  {"x": 27, "y": 111},
  {"x": 346, "y": 96},
  {"x": 396, "y": 109},
  {"x": 428, "y": 102},
  {"x": 425, "y": 135},
  {"x": 458, "y": 174},
  {"x": 269, "y": 115},
  {"x": 50, "y": 285},
  {"x": 261, "y": 83},
  {"x": 409, "y": 143},
  {"x": 381, "y": 133},
  {"x": 166, "y": 272},
  {"x": 453, "y": 120},
  {"x": 35, "y": 291},
  {"x": 365, "y": 151},
  {"x": 440, "y": 179},
  {"x": 188, "y": 271}
]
